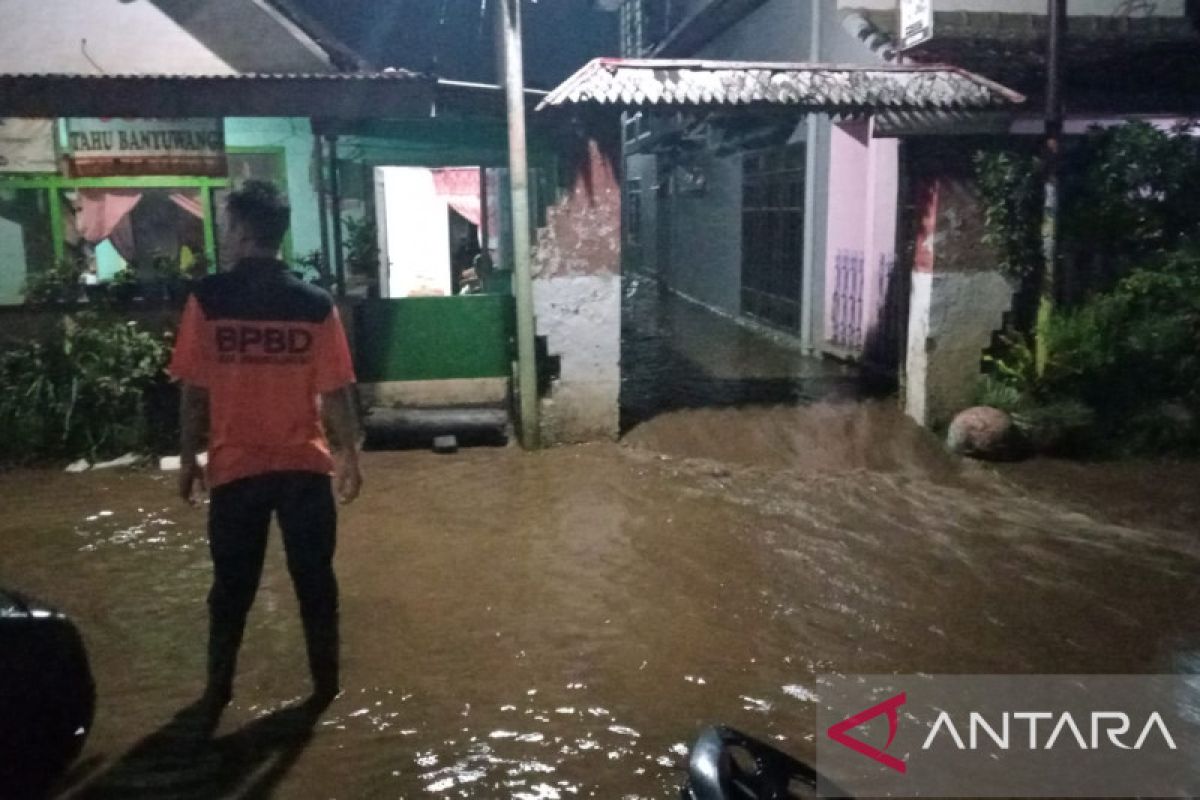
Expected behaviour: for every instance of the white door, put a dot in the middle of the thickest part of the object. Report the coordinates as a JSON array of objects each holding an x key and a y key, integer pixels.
[{"x": 414, "y": 233}]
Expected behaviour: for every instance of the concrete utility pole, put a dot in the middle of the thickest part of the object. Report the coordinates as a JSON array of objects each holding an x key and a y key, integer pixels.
[
  {"x": 509, "y": 43},
  {"x": 1057, "y": 22}
]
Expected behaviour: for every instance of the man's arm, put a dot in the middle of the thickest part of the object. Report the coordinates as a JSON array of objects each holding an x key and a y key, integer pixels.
[
  {"x": 193, "y": 419},
  {"x": 340, "y": 411}
]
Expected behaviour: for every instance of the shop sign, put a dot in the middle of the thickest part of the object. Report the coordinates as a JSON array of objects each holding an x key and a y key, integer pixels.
[
  {"x": 916, "y": 22},
  {"x": 27, "y": 145},
  {"x": 109, "y": 147}
]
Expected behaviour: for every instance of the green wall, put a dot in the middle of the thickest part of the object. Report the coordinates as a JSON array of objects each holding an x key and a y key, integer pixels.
[
  {"x": 294, "y": 137},
  {"x": 434, "y": 338}
]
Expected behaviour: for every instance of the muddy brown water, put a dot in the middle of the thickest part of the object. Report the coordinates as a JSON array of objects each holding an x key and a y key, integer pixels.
[{"x": 562, "y": 624}]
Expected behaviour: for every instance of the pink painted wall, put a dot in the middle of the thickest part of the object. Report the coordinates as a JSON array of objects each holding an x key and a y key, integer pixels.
[
  {"x": 849, "y": 203},
  {"x": 863, "y": 197}
]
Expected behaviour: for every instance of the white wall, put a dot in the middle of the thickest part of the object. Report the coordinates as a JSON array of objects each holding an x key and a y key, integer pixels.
[
  {"x": 417, "y": 233},
  {"x": 580, "y": 316},
  {"x": 217, "y": 37},
  {"x": 136, "y": 37},
  {"x": 951, "y": 320}
]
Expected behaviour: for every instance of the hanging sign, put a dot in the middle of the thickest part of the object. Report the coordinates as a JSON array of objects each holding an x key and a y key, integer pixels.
[
  {"x": 108, "y": 147},
  {"x": 27, "y": 145},
  {"x": 916, "y": 22}
]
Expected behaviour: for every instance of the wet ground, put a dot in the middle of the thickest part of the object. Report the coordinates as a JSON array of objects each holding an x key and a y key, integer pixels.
[{"x": 562, "y": 624}]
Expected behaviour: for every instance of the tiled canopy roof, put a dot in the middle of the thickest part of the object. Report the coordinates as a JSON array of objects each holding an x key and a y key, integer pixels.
[
  {"x": 630, "y": 83},
  {"x": 1117, "y": 63}
]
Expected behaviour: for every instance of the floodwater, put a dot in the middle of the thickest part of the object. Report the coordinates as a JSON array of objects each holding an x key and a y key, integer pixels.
[{"x": 562, "y": 624}]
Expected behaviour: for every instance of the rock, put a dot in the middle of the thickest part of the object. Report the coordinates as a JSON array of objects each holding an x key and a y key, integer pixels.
[{"x": 983, "y": 432}]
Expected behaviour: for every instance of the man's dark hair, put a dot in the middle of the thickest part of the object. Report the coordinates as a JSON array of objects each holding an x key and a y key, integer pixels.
[{"x": 261, "y": 207}]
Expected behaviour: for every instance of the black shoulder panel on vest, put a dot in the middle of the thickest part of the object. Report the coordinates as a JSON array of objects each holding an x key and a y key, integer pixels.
[{"x": 280, "y": 297}]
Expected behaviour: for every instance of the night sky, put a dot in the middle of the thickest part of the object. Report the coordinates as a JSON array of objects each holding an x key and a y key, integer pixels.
[{"x": 454, "y": 39}]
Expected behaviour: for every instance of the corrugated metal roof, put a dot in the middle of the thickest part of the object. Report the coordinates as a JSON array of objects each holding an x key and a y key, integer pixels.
[
  {"x": 636, "y": 83},
  {"x": 337, "y": 95},
  {"x": 341, "y": 95}
]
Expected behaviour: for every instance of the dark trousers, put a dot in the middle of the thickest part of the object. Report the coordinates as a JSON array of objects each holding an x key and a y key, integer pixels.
[{"x": 239, "y": 519}]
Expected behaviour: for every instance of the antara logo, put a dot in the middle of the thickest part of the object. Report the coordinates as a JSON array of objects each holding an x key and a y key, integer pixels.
[
  {"x": 1104, "y": 729},
  {"x": 1115, "y": 725},
  {"x": 838, "y": 732}
]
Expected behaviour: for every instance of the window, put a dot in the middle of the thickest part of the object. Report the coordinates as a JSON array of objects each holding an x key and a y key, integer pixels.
[
  {"x": 139, "y": 231},
  {"x": 631, "y": 28},
  {"x": 634, "y": 128},
  {"x": 259, "y": 165},
  {"x": 633, "y": 213},
  {"x": 153, "y": 233},
  {"x": 773, "y": 236},
  {"x": 646, "y": 23},
  {"x": 26, "y": 239}
]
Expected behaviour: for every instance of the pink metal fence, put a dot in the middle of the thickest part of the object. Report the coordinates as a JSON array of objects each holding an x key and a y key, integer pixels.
[
  {"x": 869, "y": 317},
  {"x": 847, "y": 318}
]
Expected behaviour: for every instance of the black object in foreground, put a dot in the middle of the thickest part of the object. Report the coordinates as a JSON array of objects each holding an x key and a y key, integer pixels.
[
  {"x": 47, "y": 696},
  {"x": 727, "y": 764}
]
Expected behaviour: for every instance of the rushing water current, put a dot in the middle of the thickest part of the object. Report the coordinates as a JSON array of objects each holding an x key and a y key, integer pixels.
[{"x": 562, "y": 624}]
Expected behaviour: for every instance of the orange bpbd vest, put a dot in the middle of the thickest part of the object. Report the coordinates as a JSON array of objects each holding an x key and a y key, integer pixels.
[{"x": 265, "y": 345}]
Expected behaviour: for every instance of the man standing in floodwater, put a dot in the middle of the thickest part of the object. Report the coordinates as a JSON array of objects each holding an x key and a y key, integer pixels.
[{"x": 263, "y": 357}]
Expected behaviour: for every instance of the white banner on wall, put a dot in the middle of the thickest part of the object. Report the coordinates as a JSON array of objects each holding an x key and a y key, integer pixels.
[
  {"x": 104, "y": 147},
  {"x": 916, "y": 22},
  {"x": 27, "y": 145}
]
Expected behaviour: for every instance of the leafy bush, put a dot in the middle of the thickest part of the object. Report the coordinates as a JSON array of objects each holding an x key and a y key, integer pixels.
[
  {"x": 1011, "y": 188},
  {"x": 997, "y": 393},
  {"x": 1134, "y": 353},
  {"x": 1060, "y": 426},
  {"x": 1126, "y": 363},
  {"x": 1127, "y": 192},
  {"x": 80, "y": 393},
  {"x": 1013, "y": 364},
  {"x": 312, "y": 269},
  {"x": 57, "y": 284},
  {"x": 362, "y": 246},
  {"x": 1125, "y": 345},
  {"x": 1130, "y": 194}
]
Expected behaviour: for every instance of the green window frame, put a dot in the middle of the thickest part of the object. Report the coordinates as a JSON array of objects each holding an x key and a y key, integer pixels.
[
  {"x": 280, "y": 153},
  {"x": 54, "y": 184}
]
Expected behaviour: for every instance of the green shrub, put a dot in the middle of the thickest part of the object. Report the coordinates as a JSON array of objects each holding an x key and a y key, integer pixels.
[
  {"x": 1013, "y": 365},
  {"x": 79, "y": 393},
  {"x": 1010, "y": 186},
  {"x": 996, "y": 393},
  {"x": 1133, "y": 354},
  {"x": 1058, "y": 426},
  {"x": 56, "y": 285},
  {"x": 361, "y": 246}
]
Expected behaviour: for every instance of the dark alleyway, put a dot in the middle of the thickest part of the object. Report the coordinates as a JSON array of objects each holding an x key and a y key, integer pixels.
[{"x": 676, "y": 354}]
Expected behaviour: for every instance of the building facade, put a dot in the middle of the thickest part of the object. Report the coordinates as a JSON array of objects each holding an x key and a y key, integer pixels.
[
  {"x": 137, "y": 200},
  {"x": 858, "y": 236}
]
